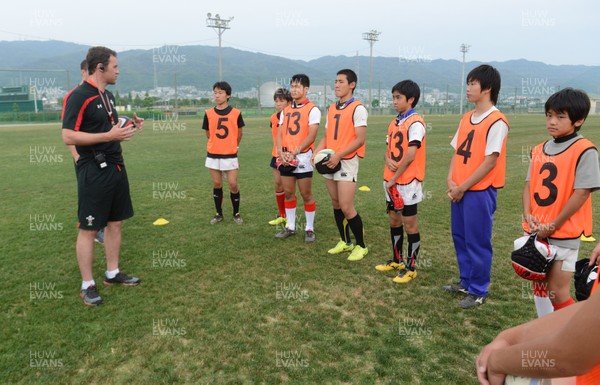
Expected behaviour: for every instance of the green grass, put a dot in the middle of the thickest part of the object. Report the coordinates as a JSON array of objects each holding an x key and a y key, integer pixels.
[{"x": 234, "y": 304}]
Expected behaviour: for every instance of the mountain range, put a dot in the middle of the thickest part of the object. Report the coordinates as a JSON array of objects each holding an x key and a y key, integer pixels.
[{"x": 142, "y": 69}]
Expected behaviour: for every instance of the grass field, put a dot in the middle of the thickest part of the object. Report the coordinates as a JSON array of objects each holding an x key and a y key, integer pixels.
[{"x": 231, "y": 304}]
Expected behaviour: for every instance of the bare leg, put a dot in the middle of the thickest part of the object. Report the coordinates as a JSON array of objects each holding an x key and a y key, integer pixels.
[
  {"x": 112, "y": 244},
  {"x": 85, "y": 253}
]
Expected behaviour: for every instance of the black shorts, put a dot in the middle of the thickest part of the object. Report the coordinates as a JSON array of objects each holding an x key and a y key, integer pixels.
[
  {"x": 297, "y": 175},
  {"x": 407, "y": 211},
  {"x": 103, "y": 195},
  {"x": 272, "y": 164}
]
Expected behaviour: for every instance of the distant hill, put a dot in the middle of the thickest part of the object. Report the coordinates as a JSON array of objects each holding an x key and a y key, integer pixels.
[{"x": 198, "y": 66}]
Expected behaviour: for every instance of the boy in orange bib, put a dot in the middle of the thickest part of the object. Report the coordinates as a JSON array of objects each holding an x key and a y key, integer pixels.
[{"x": 557, "y": 204}]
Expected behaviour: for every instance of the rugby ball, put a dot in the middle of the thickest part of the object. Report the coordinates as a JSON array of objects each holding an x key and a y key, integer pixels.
[
  {"x": 322, "y": 157},
  {"x": 125, "y": 121},
  {"x": 514, "y": 380},
  {"x": 532, "y": 257}
]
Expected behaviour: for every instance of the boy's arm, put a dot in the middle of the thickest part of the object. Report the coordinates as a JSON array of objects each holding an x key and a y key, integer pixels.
[
  {"x": 205, "y": 126},
  {"x": 322, "y": 143},
  {"x": 574, "y": 203},
  {"x": 488, "y": 164},
  {"x": 546, "y": 335},
  {"x": 240, "y": 124},
  {"x": 595, "y": 256},
  {"x": 386, "y": 157},
  {"x": 239, "y": 137},
  {"x": 565, "y": 340},
  {"x": 449, "y": 181},
  {"x": 278, "y": 141},
  {"x": 531, "y": 220}
]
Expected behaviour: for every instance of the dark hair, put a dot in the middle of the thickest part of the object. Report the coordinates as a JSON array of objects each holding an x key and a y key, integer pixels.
[
  {"x": 574, "y": 102},
  {"x": 350, "y": 76},
  {"x": 488, "y": 78},
  {"x": 98, "y": 55},
  {"x": 409, "y": 89},
  {"x": 223, "y": 86},
  {"x": 302, "y": 79},
  {"x": 282, "y": 93},
  {"x": 83, "y": 65}
]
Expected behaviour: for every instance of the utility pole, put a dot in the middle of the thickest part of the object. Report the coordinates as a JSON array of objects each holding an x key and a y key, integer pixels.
[
  {"x": 219, "y": 25},
  {"x": 258, "y": 96},
  {"x": 464, "y": 48},
  {"x": 176, "y": 96},
  {"x": 372, "y": 36}
]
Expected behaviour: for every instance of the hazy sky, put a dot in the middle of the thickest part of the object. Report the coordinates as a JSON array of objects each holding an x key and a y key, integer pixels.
[{"x": 551, "y": 31}]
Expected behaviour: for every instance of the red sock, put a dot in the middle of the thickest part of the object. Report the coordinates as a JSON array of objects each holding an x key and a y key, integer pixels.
[
  {"x": 310, "y": 206},
  {"x": 290, "y": 204},
  {"x": 559, "y": 306},
  {"x": 280, "y": 196}
]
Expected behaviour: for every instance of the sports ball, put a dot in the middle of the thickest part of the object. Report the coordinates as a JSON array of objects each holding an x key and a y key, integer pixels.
[
  {"x": 514, "y": 380},
  {"x": 322, "y": 157},
  {"x": 531, "y": 258},
  {"x": 125, "y": 121}
]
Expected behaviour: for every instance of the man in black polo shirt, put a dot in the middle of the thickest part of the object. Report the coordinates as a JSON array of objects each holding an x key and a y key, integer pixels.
[
  {"x": 90, "y": 122},
  {"x": 84, "y": 75}
]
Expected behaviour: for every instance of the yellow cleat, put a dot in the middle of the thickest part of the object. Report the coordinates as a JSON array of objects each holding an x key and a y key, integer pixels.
[
  {"x": 390, "y": 265},
  {"x": 358, "y": 253},
  {"x": 405, "y": 276},
  {"x": 341, "y": 247},
  {"x": 278, "y": 221}
]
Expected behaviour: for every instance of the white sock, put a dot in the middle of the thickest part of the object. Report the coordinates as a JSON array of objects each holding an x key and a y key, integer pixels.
[
  {"x": 543, "y": 306},
  {"x": 111, "y": 274},
  {"x": 86, "y": 284},
  {"x": 310, "y": 220},
  {"x": 290, "y": 214}
]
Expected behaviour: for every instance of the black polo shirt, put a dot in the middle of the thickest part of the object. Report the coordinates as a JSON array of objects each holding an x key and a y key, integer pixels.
[{"x": 85, "y": 111}]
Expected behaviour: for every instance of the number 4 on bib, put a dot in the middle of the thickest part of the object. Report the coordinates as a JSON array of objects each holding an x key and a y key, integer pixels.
[{"x": 464, "y": 149}]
